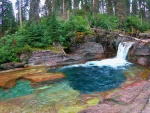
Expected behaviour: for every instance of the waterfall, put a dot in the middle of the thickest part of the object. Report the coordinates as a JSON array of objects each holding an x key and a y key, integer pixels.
[
  {"x": 119, "y": 60},
  {"x": 123, "y": 49}
]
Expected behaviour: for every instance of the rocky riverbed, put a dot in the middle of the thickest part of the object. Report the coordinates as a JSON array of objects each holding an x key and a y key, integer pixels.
[
  {"x": 30, "y": 88},
  {"x": 49, "y": 92}
]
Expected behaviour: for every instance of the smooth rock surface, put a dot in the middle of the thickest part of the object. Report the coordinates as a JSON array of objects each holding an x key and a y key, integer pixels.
[
  {"x": 131, "y": 99},
  {"x": 87, "y": 51}
]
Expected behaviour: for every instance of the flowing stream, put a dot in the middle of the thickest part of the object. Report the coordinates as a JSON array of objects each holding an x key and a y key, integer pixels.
[
  {"x": 71, "y": 94},
  {"x": 95, "y": 76}
]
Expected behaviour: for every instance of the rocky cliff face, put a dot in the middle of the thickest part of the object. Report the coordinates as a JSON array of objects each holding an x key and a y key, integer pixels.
[
  {"x": 140, "y": 53},
  {"x": 101, "y": 44},
  {"x": 85, "y": 52}
]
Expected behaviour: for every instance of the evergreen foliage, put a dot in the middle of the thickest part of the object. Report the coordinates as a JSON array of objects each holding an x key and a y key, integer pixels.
[
  {"x": 42, "y": 32},
  {"x": 7, "y": 19},
  {"x": 136, "y": 23},
  {"x": 53, "y": 27},
  {"x": 105, "y": 22}
]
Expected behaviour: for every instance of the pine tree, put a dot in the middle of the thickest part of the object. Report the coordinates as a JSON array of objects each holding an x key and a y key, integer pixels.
[
  {"x": 7, "y": 18},
  {"x": 127, "y": 6},
  {"x": 53, "y": 28},
  {"x": 120, "y": 12},
  {"x": 34, "y": 11},
  {"x": 134, "y": 7},
  {"x": 24, "y": 9},
  {"x": 49, "y": 5}
]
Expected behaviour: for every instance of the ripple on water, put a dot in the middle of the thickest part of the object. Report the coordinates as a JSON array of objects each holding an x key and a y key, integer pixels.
[{"x": 89, "y": 79}]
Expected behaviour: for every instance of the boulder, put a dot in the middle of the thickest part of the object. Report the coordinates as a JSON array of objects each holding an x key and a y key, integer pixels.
[
  {"x": 144, "y": 35},
  {"x": 140, "y": 53},
  {"x": 91, "y": 51},
  {"x": 90, "y": 48},
  {"x": 141, "y": 48},
  {"x": 25, "y": 56},
  {"x": 143, "y": 61},
  {"x": 83, "y": 53},
  {"x": 12, "y": 65}
]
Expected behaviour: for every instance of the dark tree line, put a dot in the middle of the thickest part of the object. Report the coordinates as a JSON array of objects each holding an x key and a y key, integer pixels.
[
  {"x": 32, "y": 11},
  {"x": 7, "y": 18}
]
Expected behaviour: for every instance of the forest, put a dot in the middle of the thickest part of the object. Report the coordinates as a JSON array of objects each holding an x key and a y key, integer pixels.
[{"x": 34, "y": 26}]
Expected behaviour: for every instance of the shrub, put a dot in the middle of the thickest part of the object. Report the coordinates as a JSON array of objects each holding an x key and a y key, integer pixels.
[
  {"x": 136, "y": 23},
  {"x": 25, "y": 49},
  {"x": 105, "y": 22}
]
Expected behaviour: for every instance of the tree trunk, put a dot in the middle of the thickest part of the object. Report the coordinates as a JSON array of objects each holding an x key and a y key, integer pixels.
[
  {"x": 48, "y": 4},
  {"x": 109, "y": 7},
  {"x": 120, "y": 12},
  {"x": 34, "y": 11},
  {"x": 134, "y": 7},
  {"x": 20, "y": 16},
  {"x": 63, "y": 6},
  {"x": 95, "y": 7},
  {"x": 2, "y": 29}
]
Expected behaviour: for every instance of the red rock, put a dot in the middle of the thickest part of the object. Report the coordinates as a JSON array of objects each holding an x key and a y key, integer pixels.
[
  {"x": 35, "y": 74},
  {"x": 143, "y": 61},
  {"x": 41, "y": 77},
  {"x": 131, "y": 99}
]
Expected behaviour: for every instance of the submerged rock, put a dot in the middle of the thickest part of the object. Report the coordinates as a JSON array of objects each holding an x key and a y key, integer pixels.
[
  {"x": 42, "y": 77},
  {"x": 37, "y": 74},
  {"x": 133, "y": 98}
]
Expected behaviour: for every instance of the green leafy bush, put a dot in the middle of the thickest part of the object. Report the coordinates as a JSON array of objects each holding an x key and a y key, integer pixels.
[
  {"x": 136, "y": 23},
  {"x": 50, "y": 29},
  {"x": 25, "y": 49},
  {"x": 105, "y": 22}
]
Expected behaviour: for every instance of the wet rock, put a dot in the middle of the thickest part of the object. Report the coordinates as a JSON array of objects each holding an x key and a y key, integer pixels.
[
  {"x": 143, "y": 61},
  {"x": 131, "y": 99},
  {"x": 42, "y": 77},
  {"x": 140, "y": 53},
  {"x": 141, "y": 48},
  {"x": 36, "y": 74}
]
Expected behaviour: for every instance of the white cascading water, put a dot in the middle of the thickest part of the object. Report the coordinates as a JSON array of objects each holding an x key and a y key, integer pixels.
[
  {"x": 119, "y": 60},
  {"x": 123, "y": 49}
]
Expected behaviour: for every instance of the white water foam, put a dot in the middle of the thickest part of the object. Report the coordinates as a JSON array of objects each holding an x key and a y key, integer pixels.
[
  {"x": 119, "y": 60},
  {"x": 123, "y": 49}
]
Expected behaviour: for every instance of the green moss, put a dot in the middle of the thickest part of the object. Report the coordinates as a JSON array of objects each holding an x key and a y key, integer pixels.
[
  {"x": 71, "y": 109},
  {"x": 93, "y": 102}
]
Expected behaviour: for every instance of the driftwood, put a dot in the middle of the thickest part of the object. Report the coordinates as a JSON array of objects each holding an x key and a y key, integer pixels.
[{"x": 136, "y": 39}]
